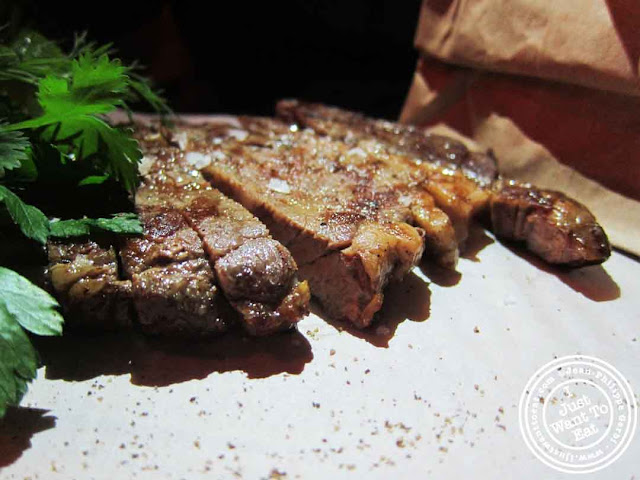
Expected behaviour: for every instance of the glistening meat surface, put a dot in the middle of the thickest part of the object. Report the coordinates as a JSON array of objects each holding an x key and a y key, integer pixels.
[
  {"x": 351, "y": 223},
  {"x": 466, "y": 184}
]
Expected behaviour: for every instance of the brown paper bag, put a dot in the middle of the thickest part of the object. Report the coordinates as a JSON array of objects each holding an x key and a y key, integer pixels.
[{"x": 595, "y": 43}]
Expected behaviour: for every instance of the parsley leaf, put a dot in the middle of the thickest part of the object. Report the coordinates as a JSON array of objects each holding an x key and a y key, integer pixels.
[
  {"x": 58, "y": 136},
  {"x": 144, "y": 91},
  {"x": 18, "y": 361},
  {"x": 94, "y": 87},
  {"x": 31, "y": 221},
  {"x": 32, "y": 56},
  {"x": 13, "y": 150},
  {"x": 29, "y": 57},
  {"x": 22, "y": 304},
  {"x": 93, "y": 180},
  {"x": 69, "y": 121},
  {"x": 124, "y": 223},
  {"x": 86, "y": 137},
  {"x": 32, "y": 307}
]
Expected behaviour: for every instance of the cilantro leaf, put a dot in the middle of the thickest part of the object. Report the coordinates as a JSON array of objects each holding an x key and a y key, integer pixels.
[
  {"x": 124, "y": 223},
  {"x": 22, "y": 304},
  {"x": 13, "y": 150},
  {"x": 31, "y": 221}
]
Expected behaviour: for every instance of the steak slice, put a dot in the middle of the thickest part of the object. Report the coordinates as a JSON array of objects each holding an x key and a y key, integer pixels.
[
  {"x": 452, "y": 175},
  {"x": 402, "y": 139},
  {"x": 84, "y": 277},
  {"x": 174, "y": 287},
  {"x": 556, "y": 228},
  {"x": 255, "y": 273},
  {"x": 465, "y": 184},
  {"x": 349, "y": 228}
]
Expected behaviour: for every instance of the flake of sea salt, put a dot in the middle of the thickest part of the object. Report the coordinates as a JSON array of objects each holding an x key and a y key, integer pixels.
[{"x": 278, "y": 185}]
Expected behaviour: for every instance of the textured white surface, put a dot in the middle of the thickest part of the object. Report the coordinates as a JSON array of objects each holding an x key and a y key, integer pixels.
[{"x": 439, "y": 402}]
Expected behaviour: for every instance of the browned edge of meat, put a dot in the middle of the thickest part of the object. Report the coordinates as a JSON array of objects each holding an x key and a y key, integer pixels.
[
  {"x": 558, "y": 229},
  {"x": 348, "y": 235},
  {"x": 84, "y": 277}
]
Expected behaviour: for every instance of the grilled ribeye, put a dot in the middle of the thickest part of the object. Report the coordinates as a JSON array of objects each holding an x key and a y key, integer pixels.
[
  {"x": 356, "y": 201},
  {"x": 350, "y": 223},
  {"x": 464, "y": 184}
]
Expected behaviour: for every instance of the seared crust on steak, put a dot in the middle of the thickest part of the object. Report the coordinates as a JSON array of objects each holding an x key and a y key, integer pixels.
[
  {"x": 402, "y": 139},
  {"x": 453, "y": 176},
  {"x": 329, "y": 204},
  {"x": 556, "y": 228},
  {"x": 230, "y": 236},
  {"x": 174, "y": 287},
  {"x": 464, "y": 184}
]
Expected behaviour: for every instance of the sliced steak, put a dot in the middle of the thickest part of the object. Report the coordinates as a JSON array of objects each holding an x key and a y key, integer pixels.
[
  {"x": 329, "y": 206},
  {"x": 256, "y": 275},
  {"x": 465, "y": 184},
  {"x": 452, "y": 175},
  {"x": 84, "y": 277},
  {"x": 174, "y": 287},
  {"x": 202, "y": 263}
]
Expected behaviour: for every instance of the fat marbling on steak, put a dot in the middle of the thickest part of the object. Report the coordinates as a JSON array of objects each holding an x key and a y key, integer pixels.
[{"x": 466, "y": 184}]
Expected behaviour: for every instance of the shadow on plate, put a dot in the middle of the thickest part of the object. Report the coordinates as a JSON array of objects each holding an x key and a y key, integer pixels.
[
  {"x": 408, "y": 299},
  {"x": 593, "y": 281},
  {"x": 160, "y": 362},
  {"x": 475, "y": 243},
  {"x": 442, "y": 277},
  {"x": 17, "y": 428}
]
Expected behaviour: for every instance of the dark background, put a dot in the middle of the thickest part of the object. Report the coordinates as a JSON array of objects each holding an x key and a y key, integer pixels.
[{"x": 240, "y": 57}]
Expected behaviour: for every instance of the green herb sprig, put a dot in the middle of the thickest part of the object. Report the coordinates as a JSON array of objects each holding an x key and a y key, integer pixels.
[{"x": 54, "y": 128}]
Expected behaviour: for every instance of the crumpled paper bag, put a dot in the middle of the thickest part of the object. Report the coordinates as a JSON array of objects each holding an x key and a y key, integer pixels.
[{"x": 595, "y": 43}]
